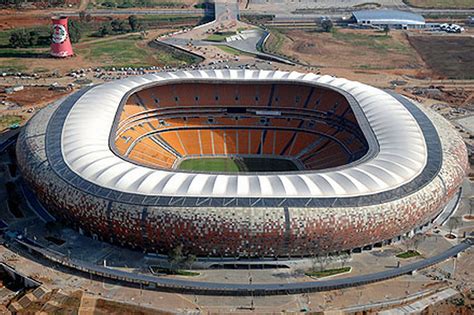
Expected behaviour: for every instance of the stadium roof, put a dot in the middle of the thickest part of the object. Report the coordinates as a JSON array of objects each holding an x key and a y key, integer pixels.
[
  {"x": 402, "y": 151},
  {"x": 388, "y": 17}
]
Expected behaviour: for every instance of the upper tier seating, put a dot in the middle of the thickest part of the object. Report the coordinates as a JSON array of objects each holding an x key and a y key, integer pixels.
[{"x": 161, "y": 124}]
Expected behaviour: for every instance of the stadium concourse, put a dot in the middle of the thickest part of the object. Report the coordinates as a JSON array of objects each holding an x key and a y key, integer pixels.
[{"x": 363, "y": 166}]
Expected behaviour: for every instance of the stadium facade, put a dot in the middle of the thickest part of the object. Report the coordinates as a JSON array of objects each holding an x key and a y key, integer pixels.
[{"x": 373, "y": 165}]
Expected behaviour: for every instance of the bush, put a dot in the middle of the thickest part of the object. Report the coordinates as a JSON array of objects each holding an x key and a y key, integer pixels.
[
  {"x": 75, "y": 31},
  {"x": 108, "y": 4},
  {"x": 20, "y": 39},
  {"x": 118, "y": 26},
  {"x": 200, "y": 6},
  {"x": 326, "y": 25},
  {"x": 133, "y": 22},
  {"x": 408, "y": 254}
]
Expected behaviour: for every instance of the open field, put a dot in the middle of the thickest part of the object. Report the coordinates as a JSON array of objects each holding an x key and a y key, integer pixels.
[
  {"x": 125, "y": 50},
  {"x": 13, "y": 19},
  {"x": 91, "y": 51},
  {"x": 441, "y": 4},
  {"x": 119, "y": 52},
  {"x": 344, "y": 48},
  {"x": 130, "y": 51},
  {"x": 38, "y": 95},
  {"x": 235, "y": 165},
  {"x": 449, "y": 56}
]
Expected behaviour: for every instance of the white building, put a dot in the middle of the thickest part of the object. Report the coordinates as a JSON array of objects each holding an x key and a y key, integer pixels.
[{"x": 390, "y": 18}]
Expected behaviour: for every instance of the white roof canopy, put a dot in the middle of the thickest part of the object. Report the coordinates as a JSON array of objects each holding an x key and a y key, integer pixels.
[{"x": 85, "y": 146}]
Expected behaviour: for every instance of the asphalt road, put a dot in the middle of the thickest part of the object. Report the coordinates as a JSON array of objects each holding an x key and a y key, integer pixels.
[{"x": 216, "y": 288}]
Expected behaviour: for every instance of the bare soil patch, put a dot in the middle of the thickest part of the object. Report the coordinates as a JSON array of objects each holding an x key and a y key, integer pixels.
[
  {"x": 364, "y": 49},
  {"x": 112, "y": 307},
  {"x": 32, "y": 96},
  {"x": 13, "y": 19},
  {"x": 449, "y": 56}
]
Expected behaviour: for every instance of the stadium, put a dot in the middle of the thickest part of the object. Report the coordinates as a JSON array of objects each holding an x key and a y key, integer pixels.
[{"x": 242, "y": 163}]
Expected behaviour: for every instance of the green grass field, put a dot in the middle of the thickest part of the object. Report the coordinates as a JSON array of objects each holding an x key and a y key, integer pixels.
[
  {"x": 229, "y": 50},
  {"x": 124, "y": 52},
  {"x": 408, "y": 254},
  {"x": 216, "y": 38},
  {"x": 236, "y": 165},
  {"x": 327, "y": 273},
  {"x": 209, "y": 164}
]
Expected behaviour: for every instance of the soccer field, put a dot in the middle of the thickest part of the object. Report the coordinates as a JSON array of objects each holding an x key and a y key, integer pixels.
[
  {"x": 236, "y": 165},
  {"x": 209, "y": 164}
]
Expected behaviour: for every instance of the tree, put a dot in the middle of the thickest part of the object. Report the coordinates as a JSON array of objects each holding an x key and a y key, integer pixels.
[
  {"x": 19, "y": 39},
  {"x": 104, "y": 31},
  {"x": 471, "y": 206},
  {"x": 82, "y": 16},
  {"x": 175, "y": 257},
  {"x": 321, "y": 261},
  {"x": 133, "y": 22},
  {"x": 75, "y": 31},
  {"x": 417, "y": 240},
  {"x": 326, "y": 25},
  {"x": 453, "y": 223},
  {"x": 117, "y": 26},
  {"x": 190, "y": 259},
  {"x": 344, "y": 259},
  {"x": 34, "y": 38}
]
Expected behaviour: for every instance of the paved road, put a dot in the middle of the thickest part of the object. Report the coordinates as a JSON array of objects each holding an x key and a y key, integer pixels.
[
  {"x": 215, "y": 288},
  {"x": 249, "y": 46}
]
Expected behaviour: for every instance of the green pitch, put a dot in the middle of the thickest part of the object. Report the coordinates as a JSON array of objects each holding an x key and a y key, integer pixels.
[
  {"x": 236, "y": 165},
  {"x": 209, "y": 164}
]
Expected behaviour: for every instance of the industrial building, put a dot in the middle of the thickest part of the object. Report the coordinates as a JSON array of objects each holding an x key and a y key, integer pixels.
[{"x": 390, "y": 18}]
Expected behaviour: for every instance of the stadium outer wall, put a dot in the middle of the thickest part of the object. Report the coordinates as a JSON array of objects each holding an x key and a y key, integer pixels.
[{"x": 240, "y": 231}]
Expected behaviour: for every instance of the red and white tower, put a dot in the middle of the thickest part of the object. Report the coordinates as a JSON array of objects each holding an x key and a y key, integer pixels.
[{"x": 60, "y": 42}]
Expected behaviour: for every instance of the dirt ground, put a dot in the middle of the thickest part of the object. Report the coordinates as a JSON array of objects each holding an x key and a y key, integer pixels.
[
  {"x": 348, "y": 49},
  {"x": 32, "y": 96},
  {"x": 23, "y": 104},
  {"x": 448, "y": 56},
  {"x": 13, "y": 19},
  {"x": 454, "y": 305}
]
